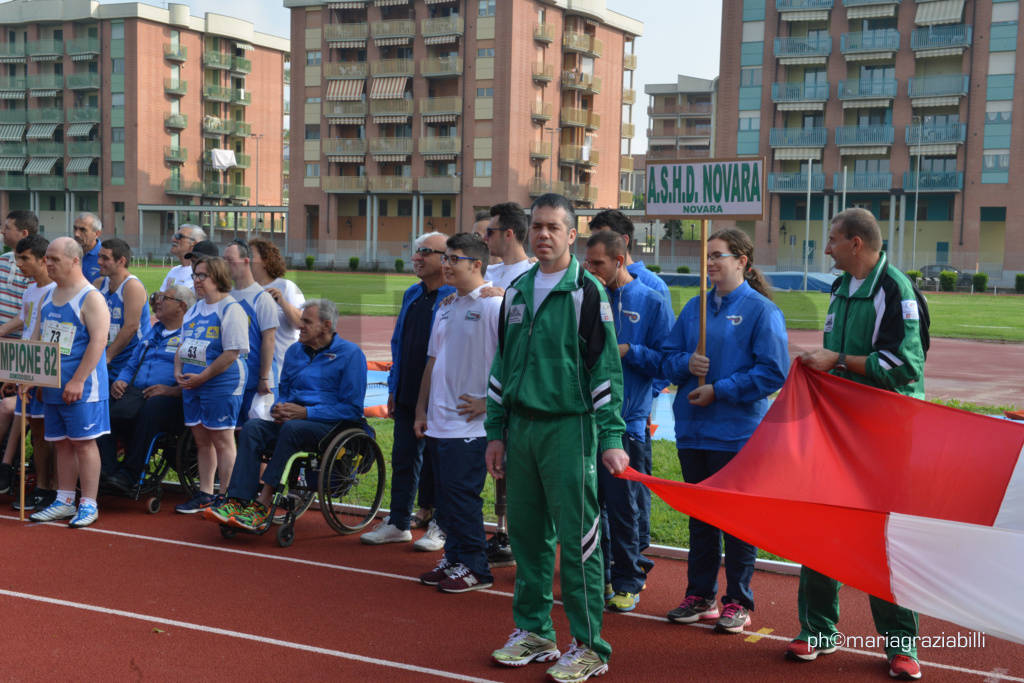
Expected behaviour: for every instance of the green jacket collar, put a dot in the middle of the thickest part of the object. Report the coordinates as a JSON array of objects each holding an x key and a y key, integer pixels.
[{"x": 871, "y": 282}]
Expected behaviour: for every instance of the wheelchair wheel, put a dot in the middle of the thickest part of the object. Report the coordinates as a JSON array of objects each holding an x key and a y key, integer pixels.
[
  {"x": 351, "y": 481},
  {"x": 285, "y": 535},
  {"x": 157, "y": 465},
  {"x": 300, "y": 492},
  {"x": 153, "y": 505},
  {"x": 227, "y": 532},
  {"x": 187, "y": 463}
]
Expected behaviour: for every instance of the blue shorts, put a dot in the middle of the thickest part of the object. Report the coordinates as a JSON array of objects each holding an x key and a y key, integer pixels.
[
  {"x": 213, "y": 411},
  {"x": 36, "y": 408},
  {"x": 79, "y": 421}
]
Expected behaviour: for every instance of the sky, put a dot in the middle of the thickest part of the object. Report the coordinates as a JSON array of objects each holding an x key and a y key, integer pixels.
[{"x": 680, "y": 37}]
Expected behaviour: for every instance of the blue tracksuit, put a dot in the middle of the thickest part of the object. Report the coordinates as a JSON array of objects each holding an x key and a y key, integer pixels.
[
  {"x": 159, "y": 349},
  {"x": 651, "y": 279},
  {"x": 414, "y": 292}
]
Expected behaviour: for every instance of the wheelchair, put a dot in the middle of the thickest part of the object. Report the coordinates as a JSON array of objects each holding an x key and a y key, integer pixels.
[
  {"x": 346, "y": 474},
  {"x": 159, "y": 458}
]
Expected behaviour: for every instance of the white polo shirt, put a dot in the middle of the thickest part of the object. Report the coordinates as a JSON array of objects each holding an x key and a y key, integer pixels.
[
  {"x": 180, "y": 276},
  {"x": 509, "y": 272},
  {"x": 463, "y": 340}
]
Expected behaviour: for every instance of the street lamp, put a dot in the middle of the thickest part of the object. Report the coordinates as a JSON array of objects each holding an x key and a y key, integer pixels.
[{"x": 917, "y": 192}]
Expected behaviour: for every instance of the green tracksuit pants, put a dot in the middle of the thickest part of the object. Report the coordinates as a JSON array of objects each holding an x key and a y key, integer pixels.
[
  {"x": 818, "y": 603},
  {"x": 552, "y": 498}
]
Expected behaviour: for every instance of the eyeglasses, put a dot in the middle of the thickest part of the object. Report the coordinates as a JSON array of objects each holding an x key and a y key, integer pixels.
[
  {"x": 181, "y": 236},
  {"x": 445, "y": 258},
  {"x": 201, "y": 277},
  {"x": 157, "y": 297},
  {"x": 490, "y": 230},
  {"x": 427, "y": 251},
  {"x": 718, "y": 256}
]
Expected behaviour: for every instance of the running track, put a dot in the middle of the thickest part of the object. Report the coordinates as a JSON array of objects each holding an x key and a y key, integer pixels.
[{"x": 164, "y": 597}]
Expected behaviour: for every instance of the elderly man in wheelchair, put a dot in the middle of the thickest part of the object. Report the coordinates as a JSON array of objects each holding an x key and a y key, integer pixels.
[{"x": 323, "y": 382}]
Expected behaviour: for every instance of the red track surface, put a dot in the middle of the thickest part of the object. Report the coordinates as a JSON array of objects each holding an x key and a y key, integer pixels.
[{"x": 360, "y": 604}]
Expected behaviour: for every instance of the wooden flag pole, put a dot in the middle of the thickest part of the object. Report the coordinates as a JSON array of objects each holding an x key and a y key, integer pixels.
[
  {"x": 24, "y": 410},
  {"x": 703, "y": 293}
]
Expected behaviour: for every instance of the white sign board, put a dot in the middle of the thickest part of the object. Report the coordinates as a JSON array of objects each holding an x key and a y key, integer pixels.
[
  {"x": 30, "y": 362},
  {"x": 707, "y": 189}
]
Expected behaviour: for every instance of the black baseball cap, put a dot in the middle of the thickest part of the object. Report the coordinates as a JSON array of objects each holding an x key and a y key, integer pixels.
[{"x": 201, "y": 250}]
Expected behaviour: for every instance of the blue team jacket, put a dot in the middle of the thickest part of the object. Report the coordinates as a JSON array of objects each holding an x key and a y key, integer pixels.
[
  {"x": 747, "y": 345},
  {"x": 159, "y": 352},
  {"x": 411, "y": 294},
  {"x": 331, "y": 385},
  {"x": 642, "y": 320}
]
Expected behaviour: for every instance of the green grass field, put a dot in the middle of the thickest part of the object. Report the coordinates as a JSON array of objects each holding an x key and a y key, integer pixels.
[{"x": 965, "y": 316}]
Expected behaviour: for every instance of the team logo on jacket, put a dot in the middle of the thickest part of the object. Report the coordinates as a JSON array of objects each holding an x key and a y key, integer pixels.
[
  {"x": 516, "y": 313},
  {"x": 830, "y": 321},
  {"x": 212, "y": 332},
  {"x": 606, "y": 312},
  {"x": 115, "y": 313},
  {"x": 734, "y": 319},
  {"x": 634, "y": 316},
  {"x": 472, "y": 315},
  {"x": 910, "y": 309}
]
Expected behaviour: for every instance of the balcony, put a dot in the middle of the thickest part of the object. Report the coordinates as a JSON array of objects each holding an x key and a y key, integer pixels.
[
  {"x": 46, "y": 115},
  {"x": 579, "y": 155},
  {"x": 795, "y": 182},
  {"x": 12, "y": 52},
  {"x": 217, "y": 93},
  {"x": 800, "y": 96},
  {"x": 83, "y": 182},
  {"x": 12, "y": 149},
  {"x": 45, "y": 48},
  {"x": 570, "y": 116},
  {"x": 83, "y": 46},
  {"x": 857, "y": 136},
  {"x": 13, "y": 182},
  {"x": 392, "y": 107},
  {"x": 628, "y": 131},
  {"x": 544, "y": 73},
  {"x": 13, "y": 83},
  {"x": 46, "y": 182},
  {"x": 243, "y": 161},
  {"x": 83, "y": 81},
  {"x": 541, "y": 111},
  {"x": 345, "y": 70},
  {"x": 931, "y": 181},
  {"x": 393, "y": 67},
  {"x": 702, "y": 109},
  {"x": 946, "y": 89},
  {"x": 337, "y": 147},
  {"x": 85, "y": 148},
  {"x": 582, "y": 43},
  {"x": 539, "y": 186},
  {"x": 240, "y": 129},
  {"x": 540, "y": 149},
  {"x": 338, "y": 33},
  {"x": 212, "y": 188},
  {"x": 585, "y": 194},
  {"x": 442, "y": 144},
  {"x": 879, "y": 90},
  {"x": 343, "y": 184},
  {"x": 177, "y": 155},
  {"x": 45, "y": 82},
  {"x": 577, "y": 80},
  {"x": 626, "y": 164},
  {"x": 174, "y": 86},
  {"x": 625, "y": 198},
  {"x": 862, "y": 182},
  {"x": 391, "y": 146},
  {"x": 803, "y": 49},
  {"x": 628, "y": 96},
  {"x": 237, "y": 191},
  {"x": 444, "y": 26},
  {"x": 390, "y": 183},
  {"x": 175, "y": 54},
  {"x": 439, "y": 106},
  {"x": 941, "y": 40},
  {"x": 336, "y": 110},
  {"x": 394, "y": 28},
  {"x": 544, "y": 33},
  {"x": 176, "y": 121},
  {"x": 216, "y": 60},
  {"x": 797, "y": 137},
  {"x": 629, "y": 62},
  {"x": 951, "y": 133},
  {"x": 241, "y": 97},
  {"x": 215, "y": 126},
  {"x": 880, "y": 43},
  {"x": 802, "y": 5},
  {"x": 241, "y": 65},
  {"x": 439, "y": 184},
  {"x": 45, "y": 148},
  {"x": 440, "y": 67}
]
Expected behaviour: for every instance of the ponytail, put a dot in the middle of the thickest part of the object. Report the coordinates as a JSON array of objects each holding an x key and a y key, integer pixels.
[{"x": 756, "y": 279}]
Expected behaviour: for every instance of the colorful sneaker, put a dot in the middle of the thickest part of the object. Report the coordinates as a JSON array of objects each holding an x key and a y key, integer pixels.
[
  {"x": 431, "y": 541},
  {"x": 438, "y": 573},
  {"x": 499, "y": 552},
  {"x": 692, "y": 609},
  {"x": 904, "y": 668},
  {"x": 577, "y": 665},
  {"x": 252, "y": 517},
  {"x": 87, "y": 514},
  {"x": 802, "y": 651},
  {"x": 461, "y": 579},
  {"x": 524, "y": 647},
  {"x": 196, "y": 505},
  {"x": 386, "y": 532},
  {"x": 54, "y": 511},
  {"x": 623, "y": 602},
  {"x": 223, "y": 512},
  {"x": 734, "y": 619}
]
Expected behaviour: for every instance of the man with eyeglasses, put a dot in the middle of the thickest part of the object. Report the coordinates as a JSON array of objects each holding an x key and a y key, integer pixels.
[
  {"x": 505, "y": 236},
  {"x": 184, "y": 239},
  {"x": 409, "y": 359}
]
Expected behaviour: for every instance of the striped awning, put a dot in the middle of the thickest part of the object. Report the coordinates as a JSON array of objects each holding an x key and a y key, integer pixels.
[
  {"x": 389, "y": 3},
  {"x": 9, "y": 164},
  {"x": 385, "y": 42},
  {"x": 47, "y": 58},
  {"x": 941, "y": 12},
  {"x": 41, "y": 131},
  {"x": 352, "y": 4},
  {"x": 345, "y": 44},
  {"x": 390, "y": 157},
  {"x": 346, "y": 158},
  {"x": 346, "y": 120},
  {"x": 440, "y": 40},
  {"x": 12, "y": 132},
  {"x": 438, "y": 157},
  {"x": 345, "y": 91},
  {"x": 82, "y": 58},
  {"x": 40, "y": 166},
  {"x": 392, "y": 118},
  {"x": 244, "y": 46},
  {"x": 388, "y": 88},
  {"x": 80, "y": 130},
  {"x": 440, "y": 118},
  {"x": 43, "y": 93},
  {"x": 79, "y": 165},
  {"x": 12, "y": 59},
  {"x": 12, "y": 94}
]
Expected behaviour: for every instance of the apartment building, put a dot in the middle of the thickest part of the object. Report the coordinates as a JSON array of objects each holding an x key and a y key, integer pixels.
[
  {"x": 109, "y": 108},
  {"x": 413, "y": 114},
  {"x": 901, "y": 107},
  {"x": 681, "y": 116}
]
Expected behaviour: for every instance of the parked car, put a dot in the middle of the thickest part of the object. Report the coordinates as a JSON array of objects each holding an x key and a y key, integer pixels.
[{"x": 930, "y": 273}]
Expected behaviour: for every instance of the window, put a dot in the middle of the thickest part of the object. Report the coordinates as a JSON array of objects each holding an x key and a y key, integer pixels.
[
  {"x": 117, "y": 100},
  {"x": 117, "y": 66},
  {"x": 117, "y": 135},
  {"x": 483, "y": 168},
  {"x": 312, "y": 170},
  {"x": 485, "y": 52},
  {"x": 117, "y": 169},
  {"x": 312, "y": 131},
  {"x": 446, "y": 208},
  {"x": 996, "y": 160},
  {"x": 428, "y": 208},
  {"x": 750, "y": 76},
  {"x": 312, "y": 100},
  {"x": 487, "y": 8},
  {"x": 999, "y": 111},
  {"x": 485, "y": 92},
  {"x": 118, "y": 207},
  {"x": 871, "y": 166},
  {"x": 938, "y": 164},
  {"x": 313, "y": 57},
  {"x": 404, "y": 207},
  {"x": 117, "y": 30},
  {"x": 750, "y": 120}
]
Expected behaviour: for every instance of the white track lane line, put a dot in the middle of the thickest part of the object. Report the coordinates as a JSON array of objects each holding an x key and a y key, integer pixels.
[
  {"x": 401, "y": 577},
  {"x": 240, "y": 635}
]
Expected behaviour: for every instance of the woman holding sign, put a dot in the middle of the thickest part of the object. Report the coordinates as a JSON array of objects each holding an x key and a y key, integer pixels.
[
  {"x": 721, "y": 399},
  {"x": 210, "y": 370}
]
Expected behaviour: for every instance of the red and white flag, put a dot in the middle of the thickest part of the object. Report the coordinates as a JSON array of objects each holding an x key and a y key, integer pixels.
[{"x": 916, "y": 503}]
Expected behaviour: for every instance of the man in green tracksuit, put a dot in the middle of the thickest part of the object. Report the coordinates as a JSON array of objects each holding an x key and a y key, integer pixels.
[
  {"x": 554, "y": 402},
  {"x": 876, "y": 333}
]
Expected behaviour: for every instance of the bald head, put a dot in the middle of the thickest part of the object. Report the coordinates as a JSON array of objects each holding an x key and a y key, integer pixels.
[
  {"x": 64, "y": 261},
  {"x": 66, "y": 246}
]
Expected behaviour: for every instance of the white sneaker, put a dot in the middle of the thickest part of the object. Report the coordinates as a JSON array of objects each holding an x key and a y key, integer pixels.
[
  {"x": 54, "y": 511},
  {"x": 386, "y": 532},
  {"x": 432, "y": 540}
]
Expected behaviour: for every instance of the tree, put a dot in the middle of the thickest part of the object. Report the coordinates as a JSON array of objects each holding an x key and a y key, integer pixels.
[{"x": 674, "y": 230}]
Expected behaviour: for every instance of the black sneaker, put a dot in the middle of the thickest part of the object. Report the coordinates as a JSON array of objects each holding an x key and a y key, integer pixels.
[
  {"x": 6, "y": 476},
  {"x": 499, "y": 552},
  {"x": 37, "y": 499},
  {"x": 122, "y": 481}
]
